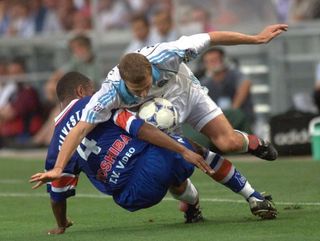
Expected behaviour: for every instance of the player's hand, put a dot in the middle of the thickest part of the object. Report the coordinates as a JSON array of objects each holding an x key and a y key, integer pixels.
[
  {"x": 60, "y": 230},
  {"x": 198, "y": 161},
  {"x": 44, "y": 177},
  {"x": 270, "y": 32}
]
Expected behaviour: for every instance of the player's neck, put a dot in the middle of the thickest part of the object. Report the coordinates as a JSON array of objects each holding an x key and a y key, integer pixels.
[{"x": 66, "y": 102}]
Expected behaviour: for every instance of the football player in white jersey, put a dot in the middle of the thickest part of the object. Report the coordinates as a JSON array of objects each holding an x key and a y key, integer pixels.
[{"x": 159, "y": 71}]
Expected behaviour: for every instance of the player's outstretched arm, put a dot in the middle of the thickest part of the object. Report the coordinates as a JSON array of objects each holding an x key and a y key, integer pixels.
[
  {"x": 71, "y": 143},
  {"x": 235, "y": 38},
  {"x": 156, "y": 137},
  {"x": 68, "y": 147},
  {"x": 59, "y": 210}
]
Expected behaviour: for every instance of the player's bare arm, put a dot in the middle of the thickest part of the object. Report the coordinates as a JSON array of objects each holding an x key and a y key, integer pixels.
[
  {"x": 155, "y": 136},
  {"x": 234, "y": 38},
  {"x": 68, "y": 147}
]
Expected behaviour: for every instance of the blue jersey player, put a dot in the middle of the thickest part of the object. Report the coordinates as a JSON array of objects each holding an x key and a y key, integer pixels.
[{"x": 136, "y": 173}]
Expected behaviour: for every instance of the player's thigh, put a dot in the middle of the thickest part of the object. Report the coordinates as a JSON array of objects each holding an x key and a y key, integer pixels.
[
  {"x": 219, "y": 127},
  {"x": 202, "y": 109}
]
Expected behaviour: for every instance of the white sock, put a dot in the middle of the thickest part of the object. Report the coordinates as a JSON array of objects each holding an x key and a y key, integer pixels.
[
  {"x": 190, "y": 195},
  {"x": 245, "y": 141},
  {"x": 246, "y": 191}
]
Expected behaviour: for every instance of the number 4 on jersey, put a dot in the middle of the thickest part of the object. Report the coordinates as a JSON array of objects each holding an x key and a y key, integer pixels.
[{"x": 90, "y": 147}]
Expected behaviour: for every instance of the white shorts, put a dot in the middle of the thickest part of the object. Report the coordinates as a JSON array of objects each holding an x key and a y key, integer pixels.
[{"x": 191, "y": 100}]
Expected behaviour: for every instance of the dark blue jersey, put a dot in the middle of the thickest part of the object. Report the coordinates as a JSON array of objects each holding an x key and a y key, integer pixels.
[{"x": 106, "y": 155}]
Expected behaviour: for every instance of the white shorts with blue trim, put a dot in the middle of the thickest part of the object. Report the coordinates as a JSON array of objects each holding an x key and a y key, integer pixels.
[{"x": 191, "y": 100}]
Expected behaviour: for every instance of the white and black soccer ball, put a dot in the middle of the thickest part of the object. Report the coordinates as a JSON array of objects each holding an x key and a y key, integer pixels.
[{"x": 160, "y": 113}]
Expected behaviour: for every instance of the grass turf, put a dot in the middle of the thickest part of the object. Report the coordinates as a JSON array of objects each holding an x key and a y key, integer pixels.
[{"x": 26, "y": 214}]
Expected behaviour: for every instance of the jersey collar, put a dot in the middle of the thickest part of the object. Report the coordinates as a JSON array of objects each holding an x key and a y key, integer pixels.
[
  {"x": 126, "y": 96},
  {"x": 65, "y": 111}
]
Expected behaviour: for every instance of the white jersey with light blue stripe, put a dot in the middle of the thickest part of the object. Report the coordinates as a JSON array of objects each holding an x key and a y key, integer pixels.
[{"x": 168, "y": 71}]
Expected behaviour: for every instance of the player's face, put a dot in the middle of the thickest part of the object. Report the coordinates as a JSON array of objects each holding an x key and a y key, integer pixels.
[{"x": 141, "y": 89}]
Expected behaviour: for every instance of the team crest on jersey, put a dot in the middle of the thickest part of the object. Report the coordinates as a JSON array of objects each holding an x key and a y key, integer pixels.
[
  {"x": 98, "y": 107},
  {"x": 189, "y": 55},
  {"x": 162, "y": 82}
]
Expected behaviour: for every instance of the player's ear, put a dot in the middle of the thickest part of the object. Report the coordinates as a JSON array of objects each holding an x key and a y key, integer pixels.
[{"x": 80, "y": 92}]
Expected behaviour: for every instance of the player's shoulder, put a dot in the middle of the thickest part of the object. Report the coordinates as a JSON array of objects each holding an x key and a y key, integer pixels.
[
  {"x": 84, "y": 100},
  {"x": 112, "y": 76},
  {"x": 154, "y": 50}
]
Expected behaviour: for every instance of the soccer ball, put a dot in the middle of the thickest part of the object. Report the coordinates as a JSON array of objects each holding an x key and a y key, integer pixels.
[{"x": 160, "y": 113}]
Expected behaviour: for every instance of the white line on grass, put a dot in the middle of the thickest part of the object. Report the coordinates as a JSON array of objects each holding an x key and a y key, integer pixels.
[{"x": 214, "y": 200}]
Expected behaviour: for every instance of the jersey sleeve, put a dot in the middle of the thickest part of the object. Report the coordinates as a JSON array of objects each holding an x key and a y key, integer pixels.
[
  {"x": 127, "y": 121},
  {"x": 185, "y": 49},
  {"x": 100, "y": 105}
]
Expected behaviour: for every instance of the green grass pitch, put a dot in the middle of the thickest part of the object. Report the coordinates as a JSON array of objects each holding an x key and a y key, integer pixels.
[{"x": 25, "y": 215}]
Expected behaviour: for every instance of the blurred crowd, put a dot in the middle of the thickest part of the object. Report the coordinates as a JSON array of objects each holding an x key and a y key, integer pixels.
[
  {"x": 27, "y": 112},
  {"x": 28, "y": 18}
]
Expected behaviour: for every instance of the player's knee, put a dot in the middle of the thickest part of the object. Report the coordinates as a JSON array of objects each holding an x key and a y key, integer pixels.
[
  {"x": 178, "y": 190},
  {"x": 229, "y": 143}
]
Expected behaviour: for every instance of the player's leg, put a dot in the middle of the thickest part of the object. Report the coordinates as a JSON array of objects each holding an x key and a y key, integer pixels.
[
  {"x": 228, "y": 175},
  {"x": 188, "y": 196},
  {"x": 229, "y": 140},
  {"x": 207, "y": 117}
]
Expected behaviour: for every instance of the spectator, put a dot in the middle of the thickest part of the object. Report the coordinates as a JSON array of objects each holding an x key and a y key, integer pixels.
[
  {"x": 20, "y": 118},
  {"x": 195, "y": 19},
  {"x": 38, "y": 13},
  {"x": 136, "y": 6},
  {"x": 51, "y": 23},
  {"x": 81, "y": 23},
  {"x": 83, "y": 60},
  {"x": 282, "y": 8},
  {"x": 17, "y": 21},
  {"x": 228, "y": 88},
  {"x": 203, "y": 18},
  {"x": 317, "y": 88},
  {"x": 304, "y": 10},
  {"x": 4, "y": 6},
  {"x": 140, "y": 29},
  {"x": 112, "y": 14},
  {"x": 164, "y": 30},
  {"x": 150, "y": 7},
  {"x": 85, "y": 8},
  {"x": 6, "y": 88},
  {"x": 66, "y": 10},
  {"x": 82, "y": 19}
]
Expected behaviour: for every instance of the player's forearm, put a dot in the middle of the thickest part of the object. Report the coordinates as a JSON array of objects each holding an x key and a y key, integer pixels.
[
  {"x": 198, "y": 148},
  {"x": 156, "y": 137},
  {"x": 71, "y": 143},
  {"x": 232, "y": 38}
]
